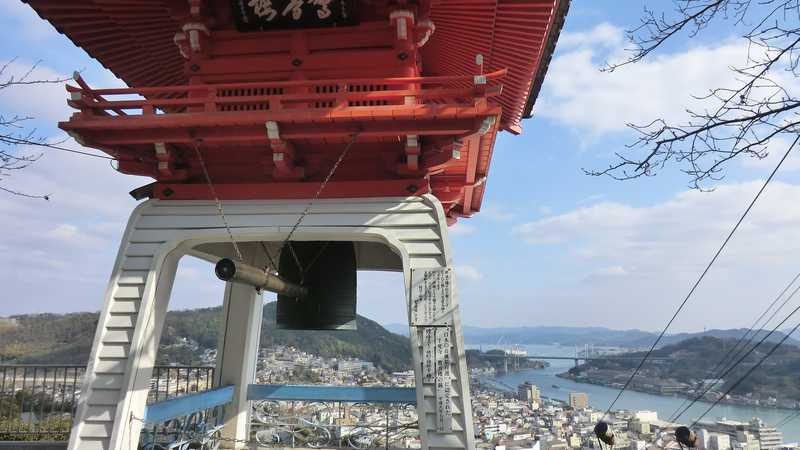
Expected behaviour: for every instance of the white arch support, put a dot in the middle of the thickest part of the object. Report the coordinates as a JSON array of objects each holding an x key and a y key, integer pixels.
[{"x": 407, "y": 234}]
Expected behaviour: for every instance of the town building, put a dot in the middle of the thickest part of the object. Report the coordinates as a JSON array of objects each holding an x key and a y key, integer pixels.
[
  {"x": 746, "y": 441},
  {"x": 769, "y": 437},
  {"x": 646, "y": 416},
  {"x": 578, "y": 400},
  {"x": 529, "y": 392},
  {"x": 719, "y": 441},
  {"x": 351, "y": 366},
  {"x": 703, "y": 438},
  {"x": 638, "y": 426}
]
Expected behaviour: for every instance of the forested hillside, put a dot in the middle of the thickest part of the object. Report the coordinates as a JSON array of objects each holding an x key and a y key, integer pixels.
[
  {"x": 692, "y": 360},
  {"x": 67, "y": 339}
]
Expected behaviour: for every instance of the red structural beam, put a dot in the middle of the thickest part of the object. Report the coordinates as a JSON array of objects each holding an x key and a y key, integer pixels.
[{"x": 155, "y": 135}]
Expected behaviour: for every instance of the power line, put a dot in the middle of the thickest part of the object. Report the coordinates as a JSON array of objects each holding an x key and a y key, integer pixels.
[
  {"x": 702, "y": 275},
  {"x": 742, "y": 358},
  {"x": 728, "y": 357},
  {"x": 63, "y": 149},
  {"x": 788, "y": 419},
  {"x": 752, "y": 369}
]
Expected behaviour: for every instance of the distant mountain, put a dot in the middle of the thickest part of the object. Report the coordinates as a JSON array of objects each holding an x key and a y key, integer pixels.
[
  {"x": 735, "y": 333},
  {"x": 580, "y": 336},
  {"x": 67, "y": 339}
]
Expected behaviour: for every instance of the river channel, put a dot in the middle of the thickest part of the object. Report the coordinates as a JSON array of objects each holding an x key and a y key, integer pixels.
[{"x": 600, "y": 396}]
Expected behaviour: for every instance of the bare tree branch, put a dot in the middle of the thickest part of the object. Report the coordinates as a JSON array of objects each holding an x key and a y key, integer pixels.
[
  {"x": 762, "y": 104},
  {"x": 14, "y": 132}
]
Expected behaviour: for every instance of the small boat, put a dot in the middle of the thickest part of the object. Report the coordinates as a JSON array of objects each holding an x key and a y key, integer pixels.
[{"x": 555, "y": 386}]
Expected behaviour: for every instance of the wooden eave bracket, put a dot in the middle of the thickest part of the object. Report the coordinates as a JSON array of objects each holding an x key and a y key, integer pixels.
[
  {"x": 166, "y": 159},
  {"x": 412, "y": 152},
  {"x": 283, "y": 155},
  {"x": 194, "y": 37}
]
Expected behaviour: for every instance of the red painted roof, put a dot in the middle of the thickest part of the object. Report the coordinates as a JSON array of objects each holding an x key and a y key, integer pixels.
[{"x": 414, "y": 113}]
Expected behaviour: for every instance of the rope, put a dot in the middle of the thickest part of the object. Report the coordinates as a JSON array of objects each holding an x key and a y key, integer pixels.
[
  {"x": 218, "y": 202},
  {"x": 702, "y": 276}
]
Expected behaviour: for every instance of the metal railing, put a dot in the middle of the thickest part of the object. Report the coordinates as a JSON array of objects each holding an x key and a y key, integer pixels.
[
  {"x": 174, "y": 381},
  {"x": 334, "y": 425},
  {"x": 37, "y": 402},
  {"x": 192, "y": 421}
]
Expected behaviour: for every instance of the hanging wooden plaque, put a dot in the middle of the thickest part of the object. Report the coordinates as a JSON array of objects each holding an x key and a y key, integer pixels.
[{"x": 265, "y": 15}]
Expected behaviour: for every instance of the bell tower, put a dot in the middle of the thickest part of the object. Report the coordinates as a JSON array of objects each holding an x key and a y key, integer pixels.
[{"x": 292, "y": 143}]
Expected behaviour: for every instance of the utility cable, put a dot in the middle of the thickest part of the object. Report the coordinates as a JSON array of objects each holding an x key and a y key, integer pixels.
[
  {"x": 15, "y": 141},
  {"x": 788, "y": 419},
  {"x": 702, "y": 276},
  {"x": 742, "y": 358},
  {"x": 729, "y": 356},
  {"x": 752, "y": 369}
]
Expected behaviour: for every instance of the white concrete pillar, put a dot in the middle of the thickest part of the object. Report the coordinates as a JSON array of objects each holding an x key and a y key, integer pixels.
[{"x": 237, "y": 351}]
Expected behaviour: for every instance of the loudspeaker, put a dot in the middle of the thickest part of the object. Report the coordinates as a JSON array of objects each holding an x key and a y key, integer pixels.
[
  {"x": 686, "y": 437},
  {"x": 328, "y": 270},
  {"x": 604, "y": 432}
]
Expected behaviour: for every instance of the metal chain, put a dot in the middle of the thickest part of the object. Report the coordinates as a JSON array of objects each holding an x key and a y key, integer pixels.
[
  {"x": 313, "y": 261},
  {"x": 271, "y": 262},
  {"x": 218, "y": 202},
  {"x": 316, "y": 197}
]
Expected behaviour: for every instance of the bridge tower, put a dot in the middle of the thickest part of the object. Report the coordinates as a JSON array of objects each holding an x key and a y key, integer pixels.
[{"x": 273, "y": 125}]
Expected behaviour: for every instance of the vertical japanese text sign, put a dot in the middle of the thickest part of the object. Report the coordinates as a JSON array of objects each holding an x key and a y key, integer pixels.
[{"x": 431, "y": 308}]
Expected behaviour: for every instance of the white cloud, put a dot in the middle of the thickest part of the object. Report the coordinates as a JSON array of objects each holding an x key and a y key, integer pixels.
[
  {"x": 611, "y": 271},
  {"x": 68, "y": 243},
  {"x": 467, "y": 272},
  {"x": 578, "y": 94},
  {"x": 381, "y": 296},
  {"x": 25, "y": 20},
  {"x": 44, "y": 102},
  {"x": 462, "y": 229},
  {"x": 604, "y": 34},
  {"x": 67, "y": 234},
  {"x": 593, "y": 198},
  {"x": 777, "y": 148},
  {"x": 188, "y": 271},
  {"x": 497, "y": 213},
  {"x": 643, "y": 259},
  {"x": 196, "y": 285}
]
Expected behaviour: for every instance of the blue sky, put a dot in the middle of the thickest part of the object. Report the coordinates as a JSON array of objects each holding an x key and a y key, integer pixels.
[{"x": 552, "y": 246}]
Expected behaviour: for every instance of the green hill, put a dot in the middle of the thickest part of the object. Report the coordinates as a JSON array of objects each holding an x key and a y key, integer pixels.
[
  {"x": 67, "y": 339},
  {"x": 691, "y": 360}
]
